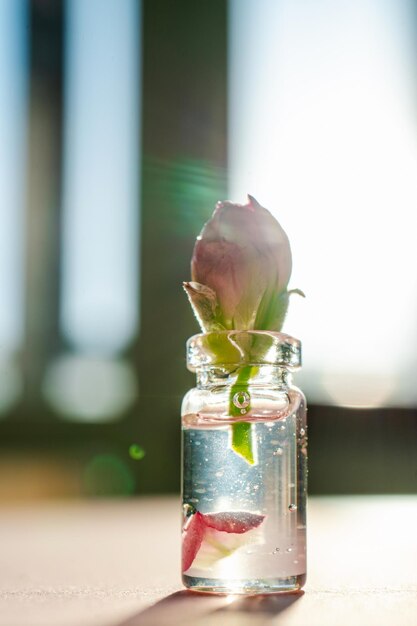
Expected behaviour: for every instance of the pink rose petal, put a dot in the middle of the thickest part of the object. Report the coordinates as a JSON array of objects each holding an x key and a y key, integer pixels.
[
  {"x": 241, "y": 254},
  {"x": 237, "y": 522},
  {"x": 191, "y": 539}
]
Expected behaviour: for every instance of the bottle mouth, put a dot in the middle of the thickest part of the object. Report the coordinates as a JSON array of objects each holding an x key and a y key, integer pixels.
[{"x": 243, "y": 347}]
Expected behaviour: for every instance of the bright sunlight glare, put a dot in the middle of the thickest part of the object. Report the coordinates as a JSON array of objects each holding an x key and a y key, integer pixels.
[{"x": 323, "y": 132}]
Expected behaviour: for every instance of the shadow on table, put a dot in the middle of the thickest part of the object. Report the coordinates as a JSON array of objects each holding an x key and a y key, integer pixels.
[{"x": 185, "y": 607}]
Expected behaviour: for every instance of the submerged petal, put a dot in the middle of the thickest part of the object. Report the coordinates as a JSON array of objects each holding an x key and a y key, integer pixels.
[
  {"x": 213, "y": 536},
  {"x": 191, "y": 540},
  {"x": 233, "y": 522}
]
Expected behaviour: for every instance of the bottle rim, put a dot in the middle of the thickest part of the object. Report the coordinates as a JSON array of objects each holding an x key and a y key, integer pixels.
[{"x": 243, "y": 347}]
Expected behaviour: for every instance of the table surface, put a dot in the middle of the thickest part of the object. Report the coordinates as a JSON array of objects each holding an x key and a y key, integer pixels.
[{"x": 115, "y": 563}]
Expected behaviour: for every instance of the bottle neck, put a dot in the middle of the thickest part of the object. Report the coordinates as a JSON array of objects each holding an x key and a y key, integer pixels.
[{"x": 254, "y": 375}]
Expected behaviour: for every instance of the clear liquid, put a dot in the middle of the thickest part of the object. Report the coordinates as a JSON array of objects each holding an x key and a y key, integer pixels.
[{"x": 271, "y": 556}]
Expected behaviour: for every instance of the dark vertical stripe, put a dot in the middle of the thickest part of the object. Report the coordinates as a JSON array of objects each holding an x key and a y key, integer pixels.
[
  {"x": 184, "y": 174},
  {"x": 43, "y": 197}
]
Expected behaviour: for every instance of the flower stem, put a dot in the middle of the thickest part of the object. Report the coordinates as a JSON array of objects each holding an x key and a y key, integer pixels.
[{"x": 242, "y": 442}]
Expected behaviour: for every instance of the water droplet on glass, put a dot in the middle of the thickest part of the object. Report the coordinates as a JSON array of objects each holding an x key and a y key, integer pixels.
[
  {"x": 289, "y": 549},
  {"x": 278, "y": 452},
  {"x": 243, "y": 411},
  {"x": 295, "y": 561},
  {"x": 219, "y": 474},
  {"x": 241, "y": 399},
  {"x": 276, "y": 551},
  {"x": 292, "y": 507},
  {"x": 302, "y": 432},
  {"x": 198, "y": 443},
  {"x": 283, "y": 427}
]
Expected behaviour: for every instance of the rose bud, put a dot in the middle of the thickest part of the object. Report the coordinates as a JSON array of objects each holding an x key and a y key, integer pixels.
[{"x": 243, "y": 257}]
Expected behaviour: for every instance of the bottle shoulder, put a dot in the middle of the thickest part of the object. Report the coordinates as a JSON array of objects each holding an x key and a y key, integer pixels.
[{"x": 265, "y": 402}]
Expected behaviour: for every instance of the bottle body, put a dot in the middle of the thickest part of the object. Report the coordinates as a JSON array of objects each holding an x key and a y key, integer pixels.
[{"x": 244, "y": 517}]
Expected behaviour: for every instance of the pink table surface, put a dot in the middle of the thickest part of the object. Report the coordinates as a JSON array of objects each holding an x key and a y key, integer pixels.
[{"x": 116, "y": 563}]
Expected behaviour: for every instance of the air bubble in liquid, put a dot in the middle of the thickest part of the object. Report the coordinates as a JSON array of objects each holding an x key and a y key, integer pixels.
[{"x": 241, "y": 399}]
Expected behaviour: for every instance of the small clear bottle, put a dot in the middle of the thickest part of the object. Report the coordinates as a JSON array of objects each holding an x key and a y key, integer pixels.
[{"x": 244, "y": 478}]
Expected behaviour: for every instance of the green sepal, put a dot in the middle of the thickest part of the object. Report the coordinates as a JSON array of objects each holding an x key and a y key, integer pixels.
[
  {"x": 204, "y": 303},
  {"x": 272, "y": 310}
]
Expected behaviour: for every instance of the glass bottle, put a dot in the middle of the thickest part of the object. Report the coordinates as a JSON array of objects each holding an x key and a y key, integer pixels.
[{"x": 244, "y": 450}]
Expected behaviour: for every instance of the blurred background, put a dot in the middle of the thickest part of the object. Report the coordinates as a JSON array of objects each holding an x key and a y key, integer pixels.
[{"x": 121, "y": 124}]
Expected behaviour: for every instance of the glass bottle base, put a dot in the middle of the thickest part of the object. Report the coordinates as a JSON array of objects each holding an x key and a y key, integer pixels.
[{"x": 246, "y": 586}]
